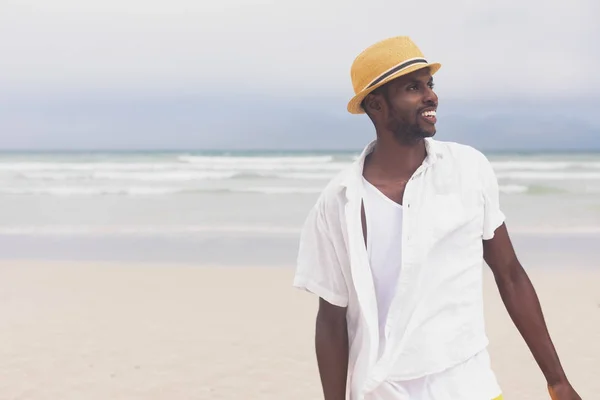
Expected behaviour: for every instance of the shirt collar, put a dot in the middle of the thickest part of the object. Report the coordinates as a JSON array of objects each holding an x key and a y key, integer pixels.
[{"x": 432, "y": 148}]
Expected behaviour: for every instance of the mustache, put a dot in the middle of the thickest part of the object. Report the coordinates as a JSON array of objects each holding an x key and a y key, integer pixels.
[{"x": 428, "y": 108}]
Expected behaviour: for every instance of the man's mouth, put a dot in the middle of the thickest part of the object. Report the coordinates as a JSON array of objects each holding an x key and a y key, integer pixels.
[{"x": 429, "y": 116}]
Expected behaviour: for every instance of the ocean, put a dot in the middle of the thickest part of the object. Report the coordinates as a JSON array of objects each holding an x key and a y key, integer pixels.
[{"x": 239, "y": 207}]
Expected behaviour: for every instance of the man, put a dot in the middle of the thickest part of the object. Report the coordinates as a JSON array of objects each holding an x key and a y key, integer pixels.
[{"x": 394, "y": 248}]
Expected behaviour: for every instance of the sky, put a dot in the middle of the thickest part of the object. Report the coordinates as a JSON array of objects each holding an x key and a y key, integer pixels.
[{"x": 239, "y": 73}]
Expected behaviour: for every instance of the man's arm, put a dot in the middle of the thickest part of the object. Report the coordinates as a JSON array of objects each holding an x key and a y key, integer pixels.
[
  {"x": 331, "y": 343},
  {"x": 523, "y": 306}
]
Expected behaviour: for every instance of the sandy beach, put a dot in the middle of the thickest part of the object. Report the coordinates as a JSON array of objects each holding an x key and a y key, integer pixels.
[{"x": 82, "y": 330}]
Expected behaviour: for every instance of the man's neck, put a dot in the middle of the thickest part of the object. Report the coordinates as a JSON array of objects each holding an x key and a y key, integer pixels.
[{"x": 391, "y": 160}]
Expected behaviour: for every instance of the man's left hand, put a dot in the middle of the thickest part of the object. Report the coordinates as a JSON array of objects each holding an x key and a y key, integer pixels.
[{"x": 563, "y": 391}]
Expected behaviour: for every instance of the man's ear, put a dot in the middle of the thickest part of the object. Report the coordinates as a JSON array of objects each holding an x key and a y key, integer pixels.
[{"x": 372, "y": 103}]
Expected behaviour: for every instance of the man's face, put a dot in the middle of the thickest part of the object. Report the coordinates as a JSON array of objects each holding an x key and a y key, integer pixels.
[{"x": 410, "y": 106}]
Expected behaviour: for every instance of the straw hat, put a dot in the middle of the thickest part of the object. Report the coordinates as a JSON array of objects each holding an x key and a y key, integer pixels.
[{"x": 383, "y": 62}]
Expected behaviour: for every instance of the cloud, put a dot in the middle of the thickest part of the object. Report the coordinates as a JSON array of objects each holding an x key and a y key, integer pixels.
[
  {"x": 492, "y": 48},
  {"x": 239, "y": 73}
]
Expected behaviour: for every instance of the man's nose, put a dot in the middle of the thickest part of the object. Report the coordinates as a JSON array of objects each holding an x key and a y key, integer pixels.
[{"x": 430, "y": 97}]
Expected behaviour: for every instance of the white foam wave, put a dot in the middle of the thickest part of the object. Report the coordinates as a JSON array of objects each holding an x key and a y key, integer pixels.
[
  {"x": 71, "y": 230},
  {"x": 167, "y": 230},
  {"x": 543, "y": 165},
  {"x": 90, "y": 191},
  {"x": 86, "y": 166},
  {"x": 176, "y": 176},
  {"x": 167, "y": 176},
  {"x": 280, "y": 190},
  {"x": 513, "y": 189},
  {"x": 524, "y": 175},
  {"x": 300, "y": 175},
  {"x": 255, "y": 160},
  {"x": 54, "y": 176},
  {"x": 254, "y": 167},
  {"x": 171, "y": 176},
  {"x": 62, "y": 171},
  {"x": 67, "y": 191},
  {"x": 317, "y": 175}
]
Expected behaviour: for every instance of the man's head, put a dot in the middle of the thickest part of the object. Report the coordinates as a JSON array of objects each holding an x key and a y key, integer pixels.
[
  {"x": 405, "y": 106},
  {"x": 393, "y": 84}
]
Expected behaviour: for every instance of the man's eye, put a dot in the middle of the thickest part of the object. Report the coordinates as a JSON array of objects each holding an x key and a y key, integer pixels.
[
  {"x": 431, "y": 85},
  {"x": 413, "y": 87}
]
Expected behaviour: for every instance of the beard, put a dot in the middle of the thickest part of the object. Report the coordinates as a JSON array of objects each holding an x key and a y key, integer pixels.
[
  {"x": 408, "y": 133},
  {"x": 406, "y": 127}
]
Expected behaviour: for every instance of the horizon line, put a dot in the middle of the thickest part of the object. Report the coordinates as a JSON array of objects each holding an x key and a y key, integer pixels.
[{"x": 274, "y": 150}]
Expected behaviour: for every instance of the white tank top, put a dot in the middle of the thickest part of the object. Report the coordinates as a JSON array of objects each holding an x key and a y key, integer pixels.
[{"x": 384, "y": 248}]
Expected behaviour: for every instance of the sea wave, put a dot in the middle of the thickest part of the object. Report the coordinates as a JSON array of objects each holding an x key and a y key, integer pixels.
[
  {"x": 303, "y": 176},
  {"x": 206, "y": 175},
  {"x": 187, "y": 230},
  {"x": 171, "y": 176},
  {"x": 197, "y": 168},
  {"x": 525, "y": 175},
  {"x": 290, "y": 167},
  {"x": 77, "y": 191},
  {"x": 513, "y": 189},
  {"x": 544, "y": 165},
  {"x": 67, "y": 191},
  {"x": 87, "y": 166},
  {"x": 280, "y": 190},
  {"x": 68, "y": 230},
  {"x": 255, "y": 160},
  {"x": 68, "y": 168},
  {"x": 174, "y": 176}
]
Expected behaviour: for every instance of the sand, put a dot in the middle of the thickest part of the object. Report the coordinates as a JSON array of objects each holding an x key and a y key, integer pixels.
[{"x": 125, "y": 331}]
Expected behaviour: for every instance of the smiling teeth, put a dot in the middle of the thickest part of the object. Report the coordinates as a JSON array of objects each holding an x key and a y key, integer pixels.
[{"x": 429, "y": 114}]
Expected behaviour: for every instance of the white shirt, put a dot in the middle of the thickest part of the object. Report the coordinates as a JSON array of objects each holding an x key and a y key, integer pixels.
[
  {"x": 435, "y": 321},
  {"x": 469, "y": 380},
  {"x": 384, "y": 247}
]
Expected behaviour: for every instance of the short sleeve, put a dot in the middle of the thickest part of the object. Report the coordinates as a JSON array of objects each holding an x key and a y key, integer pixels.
[
  {"x": 318, "y": 268},
  {"x": 493, "y": 215}
]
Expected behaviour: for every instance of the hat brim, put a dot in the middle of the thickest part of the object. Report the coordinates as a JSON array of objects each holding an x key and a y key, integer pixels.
[{"x": 354, "y": 106}]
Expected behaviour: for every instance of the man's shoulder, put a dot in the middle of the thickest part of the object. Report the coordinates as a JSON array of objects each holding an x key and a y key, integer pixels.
[
  {"x": 334, "y": 190},
  {"x": 463, "y": 154}
]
